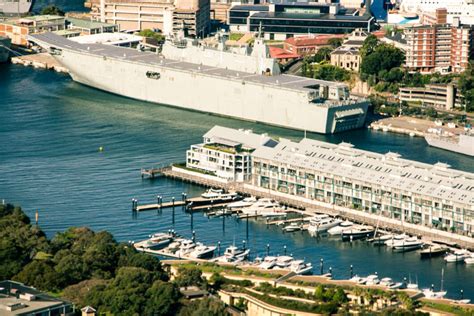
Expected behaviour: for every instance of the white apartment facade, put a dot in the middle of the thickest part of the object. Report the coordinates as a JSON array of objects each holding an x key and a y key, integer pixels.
[
  {"x": 463, "y": 9},
  {"x": 226, "y": 153}
]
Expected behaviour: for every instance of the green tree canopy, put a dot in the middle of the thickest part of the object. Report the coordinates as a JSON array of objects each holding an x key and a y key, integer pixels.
[
  {"x": 384, "y": 57},
  {"x": 189, "y": 277},
  {"x": 370, "y": 43},
  {"x": 335, "y": 42},
  {"x": 52, "y": 10}
]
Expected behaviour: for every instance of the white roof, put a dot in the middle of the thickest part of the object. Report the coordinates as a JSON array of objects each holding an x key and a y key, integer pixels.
[
  {"x": 384, "y": 170},
  {"x": 107, "y": 38},
  {"x": 233, "y": 137}
]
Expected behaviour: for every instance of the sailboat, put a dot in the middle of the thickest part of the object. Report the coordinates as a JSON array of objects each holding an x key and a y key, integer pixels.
[{"x": 430, "y": 293}]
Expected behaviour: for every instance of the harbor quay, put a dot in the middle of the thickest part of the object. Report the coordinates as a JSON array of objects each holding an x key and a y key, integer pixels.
[{"x": 383, "y": 190}]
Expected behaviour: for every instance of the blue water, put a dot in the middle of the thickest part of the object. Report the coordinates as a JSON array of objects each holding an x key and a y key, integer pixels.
[{"x": 50, "y": 132}]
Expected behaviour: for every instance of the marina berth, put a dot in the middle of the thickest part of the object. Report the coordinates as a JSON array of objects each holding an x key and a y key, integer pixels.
[{"x": 224, "y": 89}]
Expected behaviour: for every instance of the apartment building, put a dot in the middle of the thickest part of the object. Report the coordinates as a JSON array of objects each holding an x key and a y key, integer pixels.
[
  {"x": 226, "y": 153},
  {"x": 441, "y": 47},
  {"x": 19, "y": 29},
  {"x": 160, "y": 15},
  {"x": 382, "y": 184},
  {"x": 445, "y": 96}
]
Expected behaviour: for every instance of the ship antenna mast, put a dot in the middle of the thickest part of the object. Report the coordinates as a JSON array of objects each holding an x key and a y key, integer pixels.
[{"x": 260, "y": 30}]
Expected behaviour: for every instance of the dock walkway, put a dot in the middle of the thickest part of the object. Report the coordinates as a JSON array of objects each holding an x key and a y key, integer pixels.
[{"x": 308, "y": 207}]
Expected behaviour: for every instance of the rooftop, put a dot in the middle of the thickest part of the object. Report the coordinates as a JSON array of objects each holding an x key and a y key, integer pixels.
[
  {"x": 383, "y": 170},
  {"x": 39, "y": 18},
  {"x": 288, "y": 82},
  {"x": 312, "y": 40},
  {"x": 304, "y": 16},
  {"x": 88, "y": 24},
  {"x": 233, "y": 137}
]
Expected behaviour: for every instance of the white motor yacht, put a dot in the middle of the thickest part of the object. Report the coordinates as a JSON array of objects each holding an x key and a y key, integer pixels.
[
  {"x": 158, "y": 241},
  {"x": 386, "y": 282},
  {"x": 185, "y": 248},
  {"x": 268, "y": 262},
  {"x": 283, "y": 262},
  {"x": 260, "y": 206},
  {"x": 248, "y": 201},
  {"x": 236, "y": 254},
  {"x": 396, "y": 238},
  {"x": 458, "y": 256},
  {"x": 429, "y": 293},
  {"x": 469, "y": 260},
  {"x": 372, "y": 279},
  {"x": 201, "y": 251},
  {"x": 292, "y": 227},
  {"x": 407, "y": 245},
  {"x": 357, "y": 232},
  {"x": 322, "y": 225},
  {"x": 381, "y": 239},
  {"x": 337, "y": 230},
  {"x": 300, "y": 267},
  {"x": 213, "y": 194}
]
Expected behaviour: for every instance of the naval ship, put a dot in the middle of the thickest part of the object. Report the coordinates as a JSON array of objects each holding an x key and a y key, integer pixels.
[
  {"x": 244, "y": 85},
  {"x": 463, "y": 144},
  {"x": 5, "y": 43},
  {"x": 11, "y": 7}
]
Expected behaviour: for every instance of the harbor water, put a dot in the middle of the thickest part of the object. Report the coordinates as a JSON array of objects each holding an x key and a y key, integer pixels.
[{"x": 51, "y": 130}]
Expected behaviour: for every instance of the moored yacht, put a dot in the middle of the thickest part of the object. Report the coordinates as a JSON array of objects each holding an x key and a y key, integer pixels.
[
  {"x": 457, "y": 256},
  {"x": 158, "y": 241},
  {"x": 395, "y": 239},
  {"x": 283, "y": 262},
  {"x": 218, "y": 194},
  {"x": 301, "y": 267},
  {"x": 246, "y": 202},
  {"x": 429, "y": 293},
  {"x": 408, "y": 244},
  {"x": 337, "y": 230},
  {"x": 357, "y": 232},
  {"x": 317, "y": 225},
  {"x": 268, "y": 262},
  {"x": 201, "y": 251},
  {"x": 292, "y": 227},
  {"x": 260, "y": 206},
  {"x": 185, "y": 248},
  {"x": 236, "y": 254},
  {"x": 433, "y": 251}
]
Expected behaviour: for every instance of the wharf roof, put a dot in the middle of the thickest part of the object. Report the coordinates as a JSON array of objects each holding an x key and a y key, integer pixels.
[
  {"x": 234, "y": 137},
  {"x": 289, "y": 82},
  {"x": 383, "y": 170},
  {"x": 88, "y": 24}
]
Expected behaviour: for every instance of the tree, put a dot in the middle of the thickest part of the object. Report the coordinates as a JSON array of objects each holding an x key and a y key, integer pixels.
[
  {"x": 330, "y": 73},
  {"x": 162, "y": 299},
  {"x": 41, "y": 275},
  {"x": 335, "y": 42},
  {"x": 323, "y": 54},
  {"x": 189, "y": 277},
  {"x": 384, "y": 57},
  {"x": 370, "y": 43},
  {"x": 52, "y": 10},
  {"x": 466, "y": 86},
  {"x": 205, "y": 307},
  {"x": 152, "y": 34}
]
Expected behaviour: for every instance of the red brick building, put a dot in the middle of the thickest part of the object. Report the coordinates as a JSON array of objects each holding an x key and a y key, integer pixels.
[{"x": 307, "y": 45}]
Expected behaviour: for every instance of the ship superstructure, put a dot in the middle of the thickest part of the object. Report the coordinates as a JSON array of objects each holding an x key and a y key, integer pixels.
[
  {"x": 5, "y": 43},
  {"x": 463, "y": 144},
  {"x": 11, "y": 7},
  {"x": 251, "y": 93}
]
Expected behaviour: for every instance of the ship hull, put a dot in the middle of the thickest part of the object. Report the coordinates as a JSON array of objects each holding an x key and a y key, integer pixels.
[
  {"x": 210, "y": 93},
  {"x": 19, "y": 7},
  {"x": 467, "y": 148},
  {"x": 4, "y": 49}
]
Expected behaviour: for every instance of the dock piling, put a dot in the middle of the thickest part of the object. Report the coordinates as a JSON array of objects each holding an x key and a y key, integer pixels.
[
  {"x": 218, "y": 248},
  {"x": 352, "y": 271},
  {"x": 284, "y": 249},
  {"x": 243, "y": 244},
  {"x": 330, "y": 271},
  {"x": 321, "y": 266},
  {"x": 462, "y": 294},
  {"x": 194, "y": 236},
  {"x": 268, "y": 249}
]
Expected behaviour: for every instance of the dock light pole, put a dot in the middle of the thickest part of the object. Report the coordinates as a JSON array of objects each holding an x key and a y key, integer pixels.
[
  {"x": 194, "y": 236},
  {"x": 244, "y": 243},
  {"x": 352, "y": 271},
  {"x": 172, "y": 201},
  {"x": 268, "y": 249},
  {"x": 432, "y": 287},
  {"x": 284, "y": 249},
  {"x": 161, "y": 201},
  {"x": 321, "y": 266},
  {"x": 330, "y": 271},
  {"x": 192, "y": 219},
  {"x": 218, "y": 248},
  {"x": 462, "y": 294},
  {"x": 247, "y": 228}
]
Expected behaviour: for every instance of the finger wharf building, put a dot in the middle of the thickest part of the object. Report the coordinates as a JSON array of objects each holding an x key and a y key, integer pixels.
[{"x": 341, "y": 175}]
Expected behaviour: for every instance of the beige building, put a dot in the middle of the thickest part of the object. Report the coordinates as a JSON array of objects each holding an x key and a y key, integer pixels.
[
  {"x": 346, "y": 57},
  {"x": 160, "y": 15},
  {"x": 18, "y": 30}
]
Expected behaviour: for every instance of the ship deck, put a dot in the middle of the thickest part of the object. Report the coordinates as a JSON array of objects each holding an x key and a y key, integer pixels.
[{"x": 290, "y": 82}]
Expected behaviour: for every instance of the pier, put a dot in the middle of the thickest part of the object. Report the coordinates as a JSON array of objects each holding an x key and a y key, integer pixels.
[
  {"x": 308, "y": 207},
  {"x": 41, "y": 61}
]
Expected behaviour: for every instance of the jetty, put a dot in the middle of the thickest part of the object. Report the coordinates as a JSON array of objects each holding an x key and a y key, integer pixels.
[{"x": 308, "y": 207}]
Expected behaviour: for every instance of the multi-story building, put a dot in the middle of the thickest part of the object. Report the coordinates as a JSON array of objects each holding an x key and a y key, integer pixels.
[
  {"x": 441, "y": 47},
  {"x": 159, "y": 15},
  {"x": 285, "y": 20},
  {"x": 88, "y": 27},
  {"x": 379, "y": 184},
  {"x": 307, "y": 45},
  {"x": 18, "y": 30},
  {"x": 226, "y": 153},
  {"x": 444, "y": 96}
]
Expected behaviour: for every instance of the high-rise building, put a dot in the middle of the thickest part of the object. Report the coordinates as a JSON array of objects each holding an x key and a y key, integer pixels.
[
  {"x": 440, "y": 47},
  {"x": 463, "y": 9}
]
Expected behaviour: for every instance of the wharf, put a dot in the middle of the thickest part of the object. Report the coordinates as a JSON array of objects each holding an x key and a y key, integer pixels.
[
  {"x": 41, "y": 60},
  {"x": 308, "y": 207},
  {"x": 191, "y": 204},
  {"x": 410, "y": 126}
]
